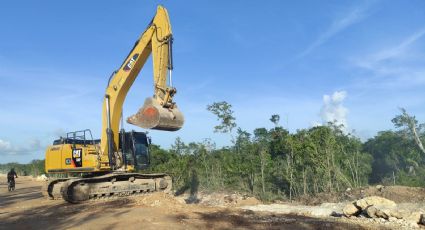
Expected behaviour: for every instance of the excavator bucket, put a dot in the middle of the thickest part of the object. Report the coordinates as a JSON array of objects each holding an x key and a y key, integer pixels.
[{"x": 153, "y": 116}]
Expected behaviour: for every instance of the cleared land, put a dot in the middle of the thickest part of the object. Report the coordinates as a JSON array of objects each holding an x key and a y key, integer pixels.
[{"x": 26, "y": 208}]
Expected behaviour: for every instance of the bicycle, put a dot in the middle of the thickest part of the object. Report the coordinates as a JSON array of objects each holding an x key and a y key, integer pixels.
[{"x": 11, "y": 185}]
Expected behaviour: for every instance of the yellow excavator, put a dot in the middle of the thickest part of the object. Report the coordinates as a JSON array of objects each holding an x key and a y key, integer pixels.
[{"x": 108, "y": 167}]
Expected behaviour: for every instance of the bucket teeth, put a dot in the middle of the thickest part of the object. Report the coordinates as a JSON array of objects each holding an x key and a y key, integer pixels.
[{"x": 153, "y": 116}]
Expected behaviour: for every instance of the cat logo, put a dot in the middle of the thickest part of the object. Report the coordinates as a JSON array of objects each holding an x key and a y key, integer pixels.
[
  {"x": 130, "y": 64},
  {"x": 76, "y": 153},
  {"x": 77, "y": 158}
]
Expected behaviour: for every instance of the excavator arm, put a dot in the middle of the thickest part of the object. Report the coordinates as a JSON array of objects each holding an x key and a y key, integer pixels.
[{"x": 159, "y": 111}]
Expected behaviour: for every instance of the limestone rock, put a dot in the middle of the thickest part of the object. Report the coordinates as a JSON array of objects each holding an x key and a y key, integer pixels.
[
  {"x": 350, "y": 210},
  {"x": 380, "y": 187},
  {"x": 380, "y": 211},
  {"x": 373, "y": 200},
  {"x": 42, "y": 177},
  {"x": 371, "y": 211},
  {"x": 412, "y": 217},
  {"x": 386, "y": 211},
  {"x": 392, "y": 219},
  {"x": 382, "y": 214}
]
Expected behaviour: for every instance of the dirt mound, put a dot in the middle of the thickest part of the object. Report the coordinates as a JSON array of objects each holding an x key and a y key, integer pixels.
[
  {"x": 398, "y": 194},
  {"x": 156, "y": 200},
  {"x": 218, "y": 199},
  {"x": 249, "y": 201}
]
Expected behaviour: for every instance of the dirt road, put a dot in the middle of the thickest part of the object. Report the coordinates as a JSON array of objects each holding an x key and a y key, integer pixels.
[{"x": 26, "y": 208}]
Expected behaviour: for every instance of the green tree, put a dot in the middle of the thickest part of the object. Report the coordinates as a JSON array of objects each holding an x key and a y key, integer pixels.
[
  {"x": 409, "y": 125},
  {"x": 394, "y": 155},
  {"x": 224, "y": 113},
  {"x": 275, "y": 118}
]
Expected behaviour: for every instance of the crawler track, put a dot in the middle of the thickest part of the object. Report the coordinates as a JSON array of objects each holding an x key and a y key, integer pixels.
[
  {"x": 76, "y": 190},
  {"x": 52, "y": 188}
]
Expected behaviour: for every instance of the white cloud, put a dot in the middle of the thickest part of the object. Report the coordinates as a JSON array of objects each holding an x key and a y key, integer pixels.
[
  {"x": 397, "y": 52},
  {"x": 333, "y": 110},
  {"x": 6, "y": 148},
  {"x": 4, "y": 145},
  {"x": 397, "y": 66},
  {"x": 354, "y": 16}
]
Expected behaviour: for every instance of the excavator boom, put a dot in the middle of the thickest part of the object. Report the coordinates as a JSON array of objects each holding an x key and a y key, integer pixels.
[{"x": 158, "y": 112}]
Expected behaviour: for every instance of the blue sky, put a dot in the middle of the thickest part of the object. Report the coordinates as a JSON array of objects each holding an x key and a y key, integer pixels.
[{"x": 309, "y": 61}]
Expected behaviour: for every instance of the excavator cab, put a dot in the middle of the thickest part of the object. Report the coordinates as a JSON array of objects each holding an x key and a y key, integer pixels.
[{"x": 135, "y": 148}]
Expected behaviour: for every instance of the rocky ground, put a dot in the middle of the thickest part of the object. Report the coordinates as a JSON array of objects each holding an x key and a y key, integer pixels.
[{"x": 26, "y": 208}]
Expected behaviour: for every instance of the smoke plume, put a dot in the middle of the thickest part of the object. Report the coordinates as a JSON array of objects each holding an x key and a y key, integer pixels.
[{"x": 333, "y": 110}]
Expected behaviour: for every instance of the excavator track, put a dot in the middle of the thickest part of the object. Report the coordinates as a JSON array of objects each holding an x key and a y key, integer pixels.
[
  {"x": 52, "y": 188},
  {"x": 77, "y": 190}
]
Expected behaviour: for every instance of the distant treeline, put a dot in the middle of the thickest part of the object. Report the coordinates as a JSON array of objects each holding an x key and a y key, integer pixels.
[
  {"x": 275, "y": 164},
  {"x": 34, "y": 168}
]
